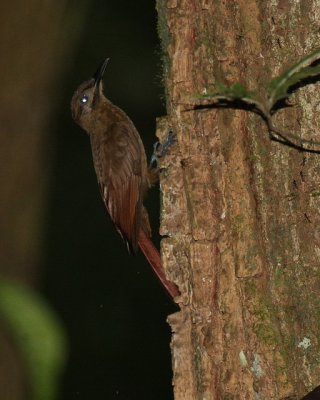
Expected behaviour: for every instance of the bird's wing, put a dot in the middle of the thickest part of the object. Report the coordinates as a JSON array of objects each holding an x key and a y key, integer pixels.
[{"x": 120, "y": 180}]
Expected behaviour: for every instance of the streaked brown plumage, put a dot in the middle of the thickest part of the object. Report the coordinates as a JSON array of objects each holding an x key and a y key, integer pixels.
[{"x": 121, "y": 167}]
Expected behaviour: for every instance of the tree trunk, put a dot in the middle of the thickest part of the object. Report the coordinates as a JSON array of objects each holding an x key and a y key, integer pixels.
[{"x": 240, "y": 212}]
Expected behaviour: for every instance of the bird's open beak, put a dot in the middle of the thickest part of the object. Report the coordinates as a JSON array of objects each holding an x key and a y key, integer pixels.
[{"x": 100, "y": 72}]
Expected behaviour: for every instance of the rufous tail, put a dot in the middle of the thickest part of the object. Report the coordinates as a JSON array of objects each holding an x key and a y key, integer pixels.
[{"x": 154, "y": 259}]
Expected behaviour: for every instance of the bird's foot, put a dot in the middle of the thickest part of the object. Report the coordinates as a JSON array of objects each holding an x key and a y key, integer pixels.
[{"x": 161, "y": 149}]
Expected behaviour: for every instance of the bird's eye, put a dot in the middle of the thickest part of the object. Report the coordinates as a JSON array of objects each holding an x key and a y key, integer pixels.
[{"x": 84, "y": 99}]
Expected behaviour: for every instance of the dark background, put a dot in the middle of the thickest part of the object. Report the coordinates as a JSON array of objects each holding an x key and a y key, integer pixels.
[{"x": 112, "y": 306}]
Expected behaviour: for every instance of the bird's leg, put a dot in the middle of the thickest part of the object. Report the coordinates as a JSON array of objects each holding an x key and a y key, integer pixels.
[{"x": 160, "y": 150}]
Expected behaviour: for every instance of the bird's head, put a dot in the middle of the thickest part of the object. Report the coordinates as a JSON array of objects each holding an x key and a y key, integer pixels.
[{"x": 87, "y": 97}]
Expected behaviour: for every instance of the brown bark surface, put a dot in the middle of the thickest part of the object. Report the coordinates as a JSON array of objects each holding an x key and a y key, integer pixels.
[{"x": 241, "y": 212}]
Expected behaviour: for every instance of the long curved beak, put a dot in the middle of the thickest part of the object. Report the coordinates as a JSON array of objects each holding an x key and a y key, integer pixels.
[{"x": 98, "y": 75}]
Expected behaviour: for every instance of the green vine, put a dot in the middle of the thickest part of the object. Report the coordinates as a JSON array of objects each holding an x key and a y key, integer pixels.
[{"x": 278, "y": 90}]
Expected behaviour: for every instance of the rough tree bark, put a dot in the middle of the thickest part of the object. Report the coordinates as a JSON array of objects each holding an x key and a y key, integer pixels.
[{"x": 241, "y": 213}]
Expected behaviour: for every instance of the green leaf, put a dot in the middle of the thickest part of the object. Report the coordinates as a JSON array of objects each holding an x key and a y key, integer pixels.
[
  {"x": 278, "y": 88},
  {"x": 38, "y": 334},
  {"x": 234, "y": 92}
]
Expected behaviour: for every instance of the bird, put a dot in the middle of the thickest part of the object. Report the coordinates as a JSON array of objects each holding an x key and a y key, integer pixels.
[{"x": 120, "y": 163}]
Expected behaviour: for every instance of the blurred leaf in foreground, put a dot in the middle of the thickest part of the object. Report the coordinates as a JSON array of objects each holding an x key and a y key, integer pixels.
[{"x": 39, "y": 336}]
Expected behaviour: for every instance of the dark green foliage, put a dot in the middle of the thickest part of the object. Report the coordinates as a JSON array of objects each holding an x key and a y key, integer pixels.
[
  {"x": 38, "y": 335},
  {"x": 278, "y": 90},
  {"x": 235, "y": 92}
]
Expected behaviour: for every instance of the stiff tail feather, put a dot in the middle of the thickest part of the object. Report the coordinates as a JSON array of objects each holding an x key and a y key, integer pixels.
[{"x": 153, "y": 257}]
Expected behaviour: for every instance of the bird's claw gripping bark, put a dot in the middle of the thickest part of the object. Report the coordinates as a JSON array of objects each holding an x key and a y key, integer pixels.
[{"x": 160, "y": 150}]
